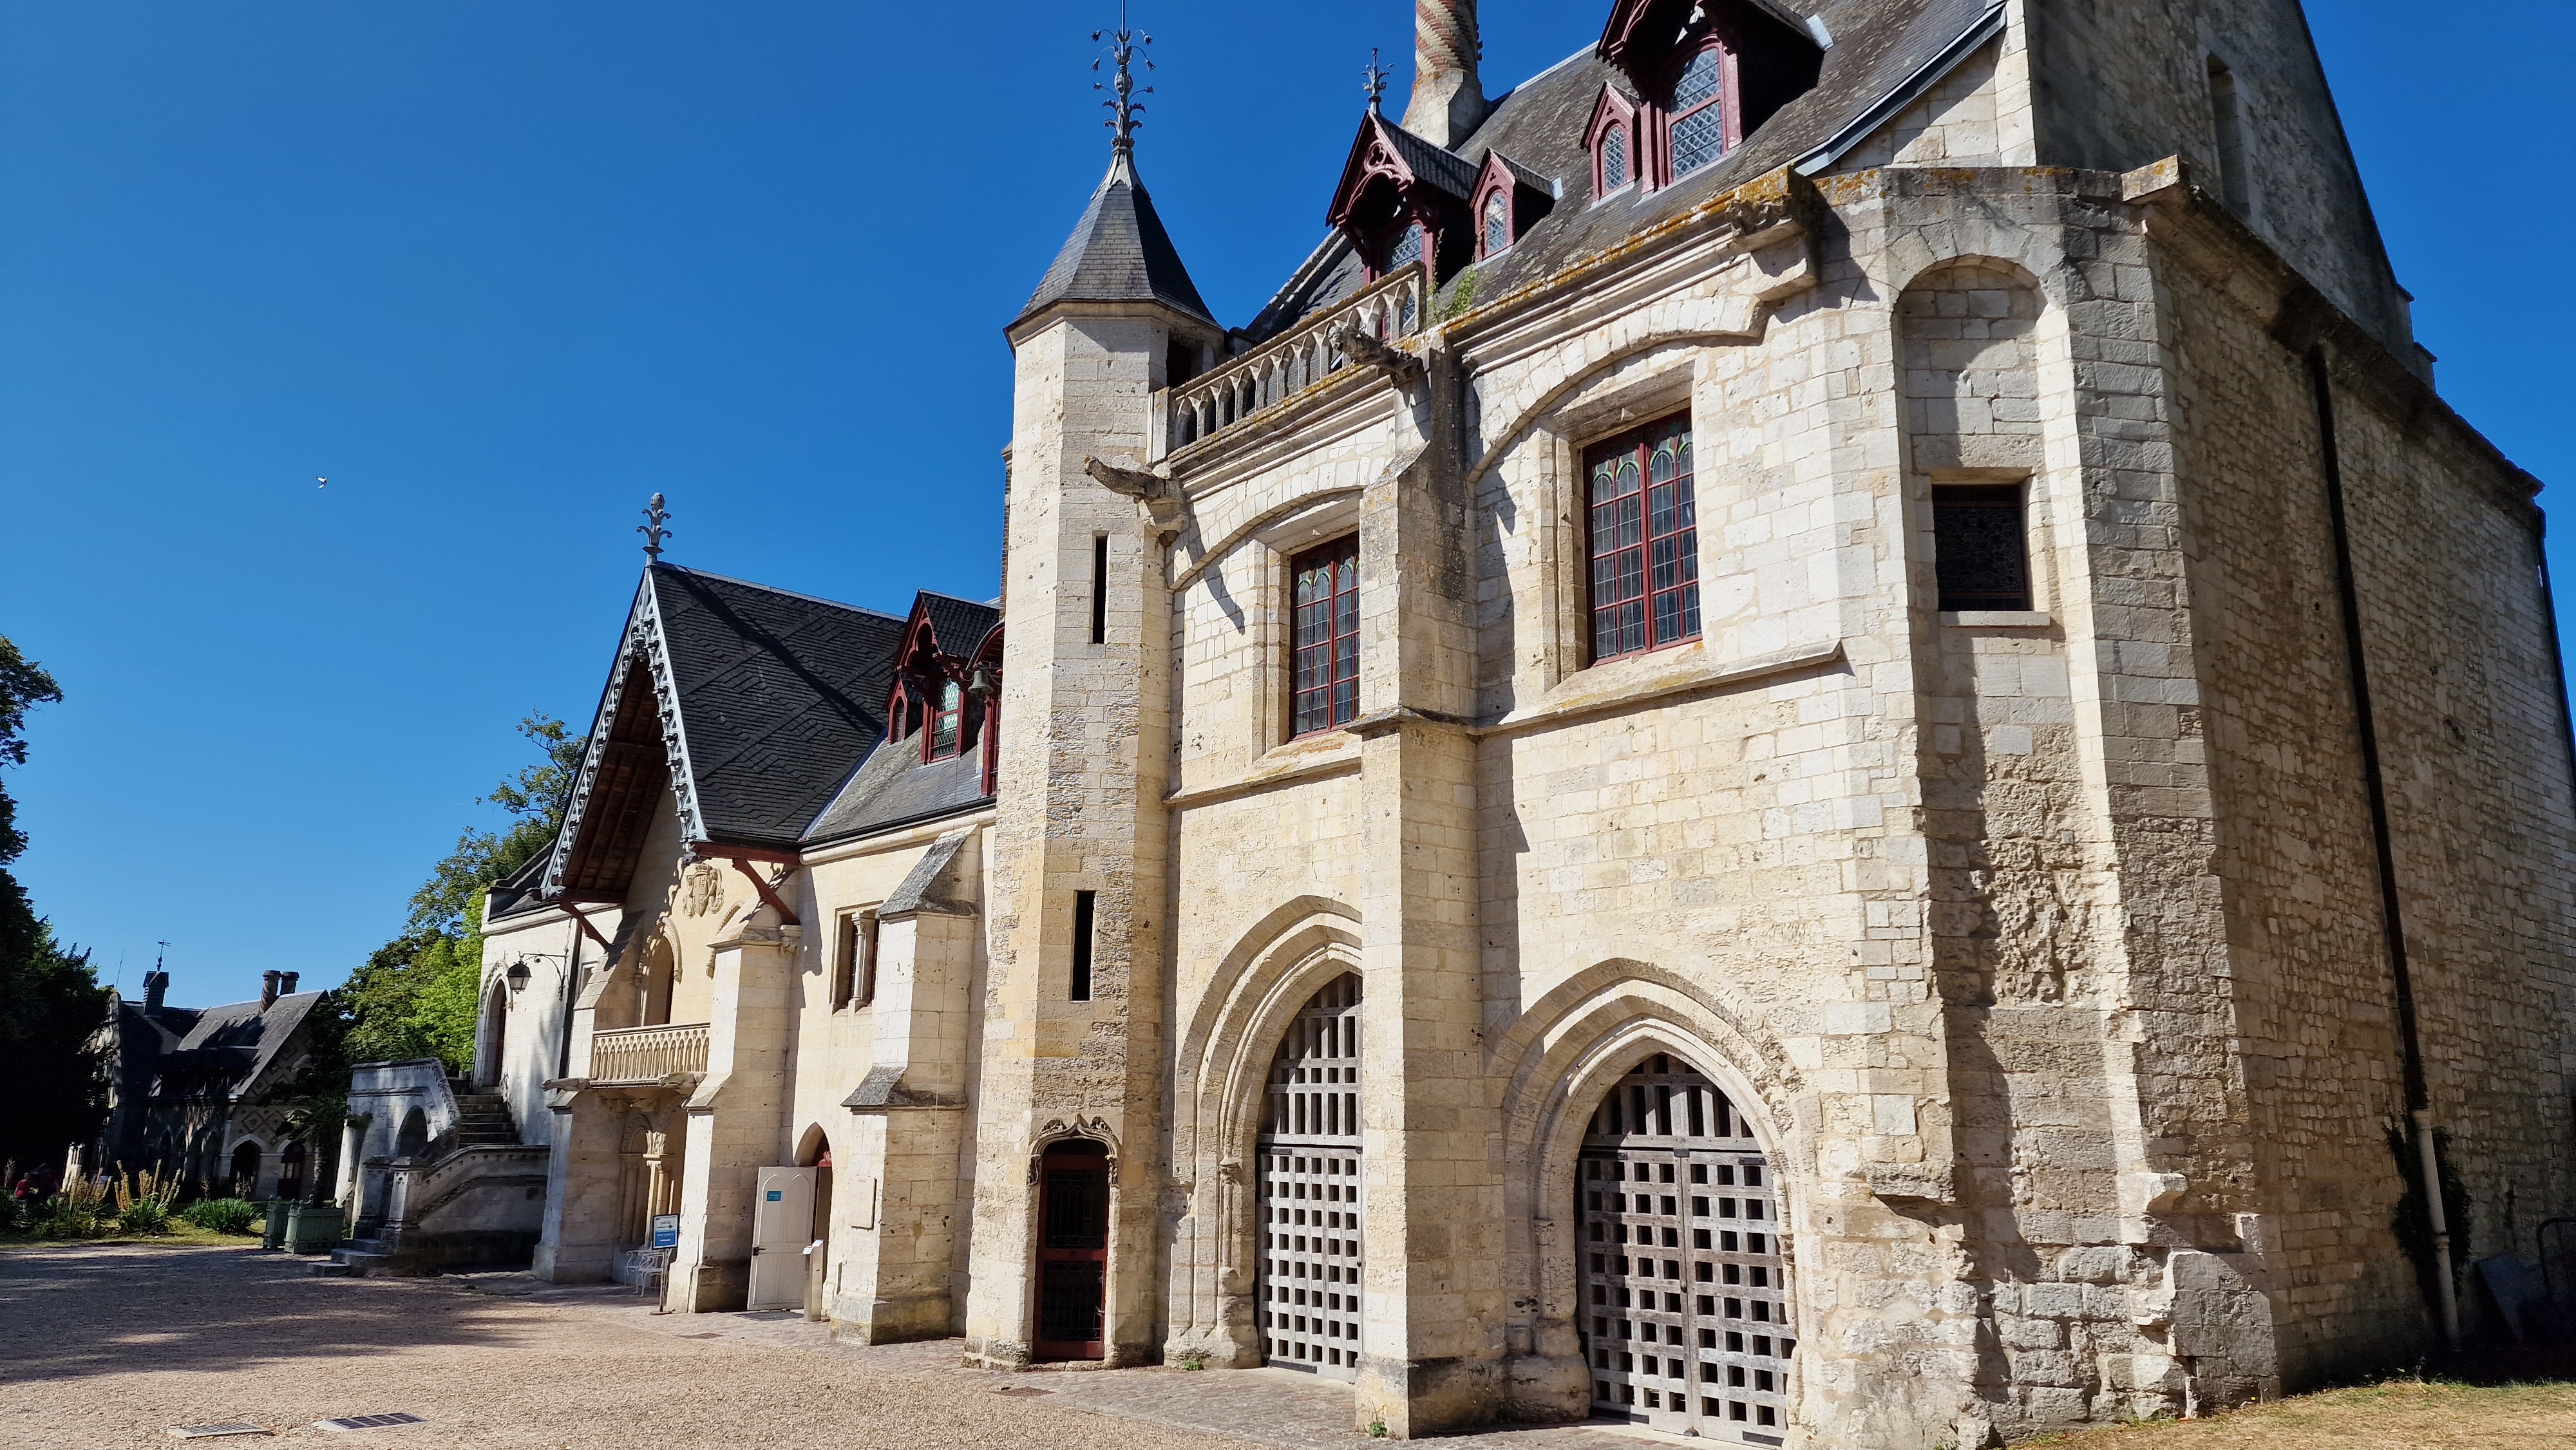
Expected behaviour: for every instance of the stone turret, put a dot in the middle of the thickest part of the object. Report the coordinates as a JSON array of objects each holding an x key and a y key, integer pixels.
[
  {"x": 1084, "y": 750},
  {"x": 1448, "y": 100}
]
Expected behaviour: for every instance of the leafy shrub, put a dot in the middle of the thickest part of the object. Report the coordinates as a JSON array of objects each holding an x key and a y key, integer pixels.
[
  {"x": 78, "y": 1211},
  {"x": 222, "y": 1215},
  {"x": 143, "y": 1216}
]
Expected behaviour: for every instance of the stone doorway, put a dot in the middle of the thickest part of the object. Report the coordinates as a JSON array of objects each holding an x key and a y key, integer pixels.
[
  {"x": 1073, "y": 1250},
  {"x": 1686, "y": 1314},
  {"x": 1310, "y": 1177}
]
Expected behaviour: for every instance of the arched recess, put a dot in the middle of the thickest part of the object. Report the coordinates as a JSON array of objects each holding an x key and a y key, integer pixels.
[
  {"x": 1561, "y": 1057},
  {"x": 1308, "y": 1178},
  {"x": 1219, "y": 1103},
  {"x": 660, "y": 965},
  {"x": 411, "y": 1140},
  {"x": 245, "y": 1169},
  {"x": 491, "y": 1030}
]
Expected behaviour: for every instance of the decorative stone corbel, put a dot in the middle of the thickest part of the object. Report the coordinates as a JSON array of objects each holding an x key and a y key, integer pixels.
[
  {"x": 1164, "y": 505},
  {"x": 1368, "y": 351}
]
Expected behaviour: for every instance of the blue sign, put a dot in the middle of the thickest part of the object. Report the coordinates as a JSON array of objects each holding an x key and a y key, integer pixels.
[
  {"x": 775, "y": 1195},
  {"x": 666, "y": 1230}
]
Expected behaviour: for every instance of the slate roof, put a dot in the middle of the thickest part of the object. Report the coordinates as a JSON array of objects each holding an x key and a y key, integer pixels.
[
  {"x": 233, "y": 1046},
  {"x": 894, "y": 787},
  {"x": 1884, "y": 53},
  {"x": 778, "y": 693},
  {"x": 961, "y": 624},
  {"x": 1118, "y": 252}
]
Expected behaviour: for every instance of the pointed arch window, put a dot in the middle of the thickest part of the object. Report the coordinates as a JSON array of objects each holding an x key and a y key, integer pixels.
[
  {"x": 1699, "y": 108},
  {"x": 1407, "y": 250},
  {"x": 1498, "y": 220},
  {"x": 1615, "y": 168},
  {"x": 1644, "y": 518},
  {"x": 948, "y": 724}
]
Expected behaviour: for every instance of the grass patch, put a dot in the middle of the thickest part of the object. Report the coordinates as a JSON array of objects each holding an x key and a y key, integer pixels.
[
  {"x": 2396, "y": 1414},
  {"x": 180, "y": 1233}
]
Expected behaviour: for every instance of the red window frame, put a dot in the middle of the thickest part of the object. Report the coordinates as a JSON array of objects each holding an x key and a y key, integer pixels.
[
  {"x": 1641, "y": 535},
  {"x": 1725, "y": 106},
  {"x": 947, "y": 732},
  {"x": 1324, "y": 638}
]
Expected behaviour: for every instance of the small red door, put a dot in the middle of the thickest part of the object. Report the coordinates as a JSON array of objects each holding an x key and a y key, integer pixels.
[{"x": 1073, "y": 1249}]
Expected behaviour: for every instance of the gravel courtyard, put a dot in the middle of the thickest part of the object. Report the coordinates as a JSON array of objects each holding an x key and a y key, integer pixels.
[{"x": 114, "y": 1346}]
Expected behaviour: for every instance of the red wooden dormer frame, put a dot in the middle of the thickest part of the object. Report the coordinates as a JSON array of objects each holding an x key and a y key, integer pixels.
[
  {"x": 988, "y": 663},
  {"x": 1524, "y": 201},
  {"x": 1650, "y": 42},
  {"x": 923, "y": 675},
  {"x": 1376, "y": 162},
  {"x": 1613, "y": 107},
  {"x": 1730, "y": 97}
]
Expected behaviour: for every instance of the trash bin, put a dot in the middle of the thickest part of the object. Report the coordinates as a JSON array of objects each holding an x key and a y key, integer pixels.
[
  {"x": 313, "y": 1228},
  {"x": 273, "y": 1233}
]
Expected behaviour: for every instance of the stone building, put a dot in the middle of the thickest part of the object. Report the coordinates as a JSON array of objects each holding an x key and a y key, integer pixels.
[
  {"x": 1822, "y": 739},
  {"x": 192, "y": 1092}
]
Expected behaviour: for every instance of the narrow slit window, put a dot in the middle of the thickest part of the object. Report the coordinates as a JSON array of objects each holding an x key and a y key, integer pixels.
[
  {"x": 845, "y": 965},
  {"x": 1085, "y": 915},
  {"x": 1324, "y": 668},
  {"x": 1099, "y": 588},
  {"x": 2227, "y": 117},
  {"x": 1981, "y": 547},
  {"x": 1643, "y": 517}
]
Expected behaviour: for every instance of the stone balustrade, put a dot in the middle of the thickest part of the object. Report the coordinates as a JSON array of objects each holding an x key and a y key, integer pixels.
[
  {"x": 1389, "y": 308},
  {"x": 647, "y": 1054}
]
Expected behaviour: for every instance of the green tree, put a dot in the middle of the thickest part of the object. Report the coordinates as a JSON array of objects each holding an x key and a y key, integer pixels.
[
  {"x": 51, "y": 1005},
  {"x": 417, "y": 995}
]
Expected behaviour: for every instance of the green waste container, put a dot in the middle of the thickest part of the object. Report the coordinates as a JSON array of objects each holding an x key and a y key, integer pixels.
[
  {"x": 273, "y": 1234},
  {"x": 313, "y": 1228}
]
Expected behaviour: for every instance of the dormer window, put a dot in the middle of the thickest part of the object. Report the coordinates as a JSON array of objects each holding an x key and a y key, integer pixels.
[
  {"x": 1510, "y": 199},
  {"x": 1615, "y": 169},
  {"x": 1498, "y": 221},
  {"x": 1612, "y": 137},
  {"x": 1407, "y": 251},
  {"x": 948, "y": 726},
  {"x": 1699, "y": 130}
]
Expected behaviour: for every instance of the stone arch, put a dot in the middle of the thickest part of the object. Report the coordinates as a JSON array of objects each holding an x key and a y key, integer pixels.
[
  {"x": 1712, "y": 331},
  {"x": 1557, "y": 1061},
  {"x": 244, "y": 1180},
  {"x": 491, "y": 1029},
  {"x": 813, "y": 1146},
  {"x": 411, "y": 1140},
  {"x": 1219, "y": 1096}
]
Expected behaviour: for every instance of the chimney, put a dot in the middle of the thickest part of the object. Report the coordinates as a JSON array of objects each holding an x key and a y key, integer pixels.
[
  {"x": 286, "y": 983},
  {"x": 1448, "y": 101},
  {"x": 156, "y": 985},
  {"x": 267, "y": 990}
]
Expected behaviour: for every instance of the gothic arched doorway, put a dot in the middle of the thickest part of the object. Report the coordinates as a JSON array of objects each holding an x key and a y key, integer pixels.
[
  {"x": 290, "y": 1173},
  {"x": 1310, "y": 1189},
  {"x": 1686, "y": 1313},
  {"x": 245, "y": 1175},
  {"x": 487, "y": 1042}
]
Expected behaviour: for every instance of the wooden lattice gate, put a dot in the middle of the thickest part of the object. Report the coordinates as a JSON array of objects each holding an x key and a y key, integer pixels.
[{"x": 1310, "y": 1190}]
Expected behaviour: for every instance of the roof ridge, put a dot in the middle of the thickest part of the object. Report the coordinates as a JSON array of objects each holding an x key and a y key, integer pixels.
[{"x": 774, "y": 589}]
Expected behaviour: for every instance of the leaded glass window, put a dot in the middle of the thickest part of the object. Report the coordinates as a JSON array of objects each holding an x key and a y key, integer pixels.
[
  {"x": 1644, "y": 520},
  {"x": 1498, "y": 221},
  {"x": 1980, "y": 547},
  {"x": 1614, "y": 157},
  {"x": 1408, "y": 250},
  {"x": 1324, "y": 683},
  {"x": 946, "y": 726},
  {"x": 1699, "y": 112}
]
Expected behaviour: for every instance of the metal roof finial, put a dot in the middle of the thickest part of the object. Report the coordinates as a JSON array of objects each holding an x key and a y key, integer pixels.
[
  {"x": 1123, "y": 106},
  {"x": 1373, "y": 80},
  {"x": 652, "y": 530}
]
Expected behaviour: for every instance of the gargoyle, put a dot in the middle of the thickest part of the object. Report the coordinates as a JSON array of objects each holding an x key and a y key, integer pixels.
[
  {"x": 1160, "y": 496},
  {"x": 1368, "y": 351}
]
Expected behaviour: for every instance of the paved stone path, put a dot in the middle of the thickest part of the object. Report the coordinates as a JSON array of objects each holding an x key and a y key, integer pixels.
[{"x": 113, "y": 1346}]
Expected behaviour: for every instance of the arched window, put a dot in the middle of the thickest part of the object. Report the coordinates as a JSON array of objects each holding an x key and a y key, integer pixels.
[
  {"x": 1699, "y": 112},
  {"x": 1614, "y": 157},
  {"x": 1498, "y": 220}
]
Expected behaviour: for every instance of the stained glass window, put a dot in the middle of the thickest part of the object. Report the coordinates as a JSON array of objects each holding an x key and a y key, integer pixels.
[
  {"x": 1614, "y": 157},
  {"x": 1980, "y": 547},
  {"x": 1644, "y": 517},
  {"x": 1324, "y": 675},
  {"x": 1498, "y": 222},
  {"x": 1699, "y": 113}
]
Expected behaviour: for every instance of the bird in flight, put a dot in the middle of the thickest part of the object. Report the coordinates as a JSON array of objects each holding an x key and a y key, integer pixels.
[{"x": 321, "y": 483}]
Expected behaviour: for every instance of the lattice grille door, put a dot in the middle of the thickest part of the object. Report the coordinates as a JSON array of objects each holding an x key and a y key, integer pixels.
[
  {"x": 1686, "y": 1314},
  {"x": 1310, "y": 1190}
]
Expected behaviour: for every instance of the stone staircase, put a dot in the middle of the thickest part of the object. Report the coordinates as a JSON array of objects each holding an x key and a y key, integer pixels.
[{"x": 482, "y": 1121}]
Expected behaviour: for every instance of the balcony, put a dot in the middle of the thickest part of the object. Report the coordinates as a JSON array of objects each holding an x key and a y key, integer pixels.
[
  {"x": 1309, "y": 354},
  {"x": 647, "y": 1054}
]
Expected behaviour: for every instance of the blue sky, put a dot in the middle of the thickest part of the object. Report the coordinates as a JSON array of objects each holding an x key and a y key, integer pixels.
[{"x": 500, "y": 271}]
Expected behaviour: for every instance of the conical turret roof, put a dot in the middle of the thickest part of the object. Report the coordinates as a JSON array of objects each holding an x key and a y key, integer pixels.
[{"x": 1119, "y": 253}]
